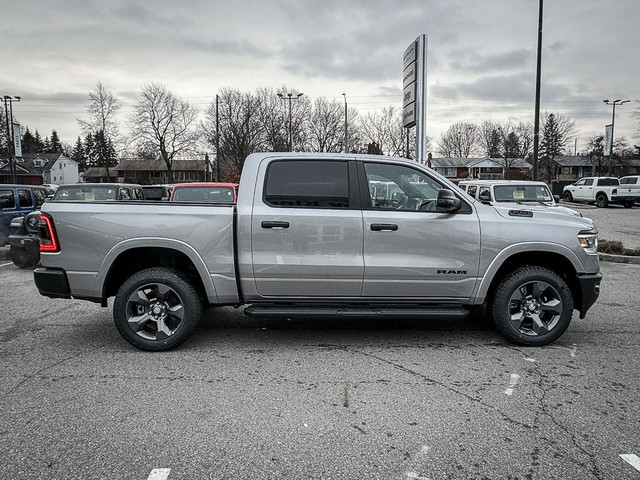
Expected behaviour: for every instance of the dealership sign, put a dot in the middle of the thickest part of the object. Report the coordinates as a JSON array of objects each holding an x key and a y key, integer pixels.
[{"x": 414, "y": 87}]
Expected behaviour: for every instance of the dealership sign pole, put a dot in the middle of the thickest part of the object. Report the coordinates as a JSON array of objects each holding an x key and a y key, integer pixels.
[{"x": 414, "y": 92}]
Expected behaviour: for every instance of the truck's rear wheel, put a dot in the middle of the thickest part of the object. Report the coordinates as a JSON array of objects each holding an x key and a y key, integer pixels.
[
  {"x": 532, "y": 306},
  {"x": 602, "y": 201},
  {"x": 628, "y": 204},
  {"x": 156, "y": 309}
]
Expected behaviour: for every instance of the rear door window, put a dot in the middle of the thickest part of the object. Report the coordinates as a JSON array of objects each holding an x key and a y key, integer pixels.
[
  {"x": 7, "y": 199},
  {"x": 307, "y": 184},
  {"x": 24, "y": 197}
]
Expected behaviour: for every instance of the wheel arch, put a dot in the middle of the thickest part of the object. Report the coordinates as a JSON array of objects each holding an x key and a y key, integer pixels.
[
  {"x": 132, "y": 256},
  {"x": 564, "y": 263}
]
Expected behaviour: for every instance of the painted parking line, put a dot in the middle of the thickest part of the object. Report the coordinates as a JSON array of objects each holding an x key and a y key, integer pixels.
[
  {"x": 5, "y": 264},
  {"x": 513, "y": 381},
  {"x": 632, "y": 460},
  {"x": 159, "y": 474}
]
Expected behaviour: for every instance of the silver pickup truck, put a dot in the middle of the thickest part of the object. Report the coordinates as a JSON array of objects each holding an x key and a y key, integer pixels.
[{"x": 317, "y": 235}]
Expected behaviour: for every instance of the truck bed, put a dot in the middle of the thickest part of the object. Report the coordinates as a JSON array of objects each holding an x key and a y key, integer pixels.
[{"x": 92, "y": 235}]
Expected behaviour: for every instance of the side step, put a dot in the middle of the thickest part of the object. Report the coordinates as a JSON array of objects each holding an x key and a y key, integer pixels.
[{"x": 266, "y": 310}]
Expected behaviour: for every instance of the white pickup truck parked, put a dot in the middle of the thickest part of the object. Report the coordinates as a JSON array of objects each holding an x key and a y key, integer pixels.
[
  {"x": 602, "y": 191},
  {"x": 316, "y": 235}
]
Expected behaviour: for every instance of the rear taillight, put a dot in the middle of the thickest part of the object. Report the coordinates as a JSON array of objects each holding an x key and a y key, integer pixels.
[
  {"x": 48, "y": 237},
  {"x": 614, "y": 191}
]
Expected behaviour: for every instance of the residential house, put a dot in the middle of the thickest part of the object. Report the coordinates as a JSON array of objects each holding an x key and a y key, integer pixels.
[
  {"x": 155, "y": 171},
  {"x": 484, "y": 168},
  {"x": 39, "y": 168},
  {"x": 571, "y": 168}
]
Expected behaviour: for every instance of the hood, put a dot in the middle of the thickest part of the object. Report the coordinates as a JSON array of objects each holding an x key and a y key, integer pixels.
[
  {"x": 547, "y": 207},
  {"x": 553, "y": 213}
]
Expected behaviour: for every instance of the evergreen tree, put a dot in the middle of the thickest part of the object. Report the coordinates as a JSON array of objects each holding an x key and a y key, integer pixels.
[
  {"x": 55, "y": 144},
  {"x": 29, "y": 143},
  {"x": 40, "y": 146},
  {"x": 78, "y": 155},
  {"x": 105, "y": 154},
  {"x": 89, "y": 151}
]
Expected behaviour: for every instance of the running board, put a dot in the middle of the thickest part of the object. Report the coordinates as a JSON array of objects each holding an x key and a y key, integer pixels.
[{"x": 355, "y": 311}]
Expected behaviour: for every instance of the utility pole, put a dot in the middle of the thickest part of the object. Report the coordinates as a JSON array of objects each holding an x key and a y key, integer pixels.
[
  {"x": 290, "y": 96},
  {"x": 345, "y": 122},
  {"x": 8, "y": 110},
  {"x": 217, "y": 137},
  {"x": 536, "y": 121},
  {"x": 613, "y": 119}
]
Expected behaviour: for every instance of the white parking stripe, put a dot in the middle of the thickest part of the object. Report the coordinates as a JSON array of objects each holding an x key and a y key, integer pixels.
[
  {"x": 5, "y": 264},
  {"x": 159, "y": 474},
  {"x": 513, "y": 381},
  {"x": 632, "y": 460}
]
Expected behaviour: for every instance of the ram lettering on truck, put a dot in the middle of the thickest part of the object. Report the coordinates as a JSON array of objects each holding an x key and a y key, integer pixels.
[{"x": 322, "y": 235}]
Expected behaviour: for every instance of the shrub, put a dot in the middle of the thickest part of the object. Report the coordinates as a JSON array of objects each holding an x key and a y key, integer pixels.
[{"x": 613, "y": 247}]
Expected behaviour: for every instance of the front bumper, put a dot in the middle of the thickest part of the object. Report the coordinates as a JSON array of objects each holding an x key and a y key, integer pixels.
[
  {"x": 589, "y": 292},
  {"x": 52, "y": 282}
]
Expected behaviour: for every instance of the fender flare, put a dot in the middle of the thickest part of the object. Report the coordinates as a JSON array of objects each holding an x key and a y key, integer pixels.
[
  {"x": 155, "y": 242},
  {"x": 510, "y": 251}
]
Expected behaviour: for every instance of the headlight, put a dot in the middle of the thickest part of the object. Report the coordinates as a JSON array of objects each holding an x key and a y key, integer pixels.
[{"x": 588, "y": 240}]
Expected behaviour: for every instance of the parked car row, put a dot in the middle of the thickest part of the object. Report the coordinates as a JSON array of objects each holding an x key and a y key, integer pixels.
[
  {"x": 20, "y": 215},
  {"x": 604, "y": 190}
]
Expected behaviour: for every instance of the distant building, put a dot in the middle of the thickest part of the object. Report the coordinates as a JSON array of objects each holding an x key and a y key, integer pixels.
[
  {"x": 147, "y": 172},
  {"x": 483, "y": 168},
  {"x": 39, "y": 168}
]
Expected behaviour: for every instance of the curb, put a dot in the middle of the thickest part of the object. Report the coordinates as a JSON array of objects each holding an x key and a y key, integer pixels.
[{"x": 608, "y": 257}]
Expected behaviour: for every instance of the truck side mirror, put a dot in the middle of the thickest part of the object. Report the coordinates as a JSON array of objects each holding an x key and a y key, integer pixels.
[
  {"x": 556, "y": 198},
  {"x": 447, "y": 201}
]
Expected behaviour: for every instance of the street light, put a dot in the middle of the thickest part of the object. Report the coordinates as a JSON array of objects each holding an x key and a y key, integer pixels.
[
  {"x": 345, "y": 122},
  {"x": 613, "y": 119},
  {"x": 290, "y": 96},
  {"x": 8, "y": 110}
]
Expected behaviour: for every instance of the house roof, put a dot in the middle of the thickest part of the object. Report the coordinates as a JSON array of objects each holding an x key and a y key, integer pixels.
[
  {"x": 142, "y": 165},
  {"x": 27, "y": 164},
  {"x": 573, "y": 161}
]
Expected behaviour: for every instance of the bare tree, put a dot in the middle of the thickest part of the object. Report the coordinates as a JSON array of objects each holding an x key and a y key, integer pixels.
[
  {"x": 326, "y": 126},
  {"x": 460, "y": 140},
  {"x": 102, "y": 109},
  {"x": 241, "y": 130},
  {"x": 166, "y": 122},
  {"x": 384, "y": 131},
  {"x": 273, "y": 120}
]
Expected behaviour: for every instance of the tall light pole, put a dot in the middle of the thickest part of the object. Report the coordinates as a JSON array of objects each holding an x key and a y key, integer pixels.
[
  {"x": 8, "y": 110},
  {"x": 290, "y": 96},
  {"x": 536, "y": 120},
  {"x": 345, "y": 122},
  {"x": 613, "y": 119}
]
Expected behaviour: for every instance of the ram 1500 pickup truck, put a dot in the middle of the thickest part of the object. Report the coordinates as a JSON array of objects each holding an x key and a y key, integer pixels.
[
  {"x": 602, "y": 191},
  {"x": 317, "y": 235}
]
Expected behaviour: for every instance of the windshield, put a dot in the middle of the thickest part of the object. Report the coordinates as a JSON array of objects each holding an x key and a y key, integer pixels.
[
  {"x": 522, "y": 193},
  {"x": 84, "y": 193},
  {"x": 203, "y": 194}
]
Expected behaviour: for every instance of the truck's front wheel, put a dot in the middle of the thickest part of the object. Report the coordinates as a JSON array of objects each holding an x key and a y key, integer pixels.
[
  {"x": 156, "y": 309},
  {"x": 532, "y": 306}
]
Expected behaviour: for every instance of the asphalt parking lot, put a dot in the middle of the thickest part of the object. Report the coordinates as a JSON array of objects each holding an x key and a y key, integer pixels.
[
  {"x": 246, "y": 398},
  {"x": 614, "y": 222}
]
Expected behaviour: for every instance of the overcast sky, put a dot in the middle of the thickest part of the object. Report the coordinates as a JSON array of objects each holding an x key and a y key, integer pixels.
[{"x": 481, "y": 55}]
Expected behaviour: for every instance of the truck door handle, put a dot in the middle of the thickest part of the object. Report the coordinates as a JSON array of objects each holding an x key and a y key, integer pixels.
[
  {"x": 381, "y": 227},
  {"x": 271, "y": 224}
]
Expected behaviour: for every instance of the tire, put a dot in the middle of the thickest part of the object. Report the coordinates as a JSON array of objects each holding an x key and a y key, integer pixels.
[
  {"x": 156, "y": 309},
  {"x": 567, "y": 197},
  {"x": 23, "y": 257},
  {"x": 628, "y": 204},
  {"x": 532, "y": 306},
  {"x": 601, "y": 201}
]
